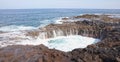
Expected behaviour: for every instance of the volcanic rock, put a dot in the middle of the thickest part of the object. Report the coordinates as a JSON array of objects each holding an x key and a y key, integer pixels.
[{"x": 107, "y": 50}]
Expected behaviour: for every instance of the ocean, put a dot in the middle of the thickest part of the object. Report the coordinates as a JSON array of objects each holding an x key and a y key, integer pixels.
[
  {"x": 14, "y": 21},
  {"x": 37, "y": 17}
]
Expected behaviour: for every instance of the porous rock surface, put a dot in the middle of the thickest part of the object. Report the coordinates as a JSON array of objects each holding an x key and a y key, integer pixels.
[{"x": 108, "y": 50}]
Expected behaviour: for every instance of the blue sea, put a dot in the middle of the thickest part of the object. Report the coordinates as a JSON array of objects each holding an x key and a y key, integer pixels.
[
  {"x": 37, "y": 17},
  {"x": 15, "y": 23}
]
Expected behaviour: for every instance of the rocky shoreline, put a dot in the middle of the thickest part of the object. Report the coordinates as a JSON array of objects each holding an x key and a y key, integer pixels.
[{"x": 105, "y": 28}]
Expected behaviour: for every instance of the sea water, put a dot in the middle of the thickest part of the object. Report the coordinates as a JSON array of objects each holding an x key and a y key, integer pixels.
[{"x": 14, "y": 23}]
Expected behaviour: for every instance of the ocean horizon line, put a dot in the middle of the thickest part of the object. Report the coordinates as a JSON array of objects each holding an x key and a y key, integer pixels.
[{"x": 58, "y": 8}]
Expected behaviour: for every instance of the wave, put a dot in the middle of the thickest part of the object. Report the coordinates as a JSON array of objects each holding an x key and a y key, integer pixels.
[
  {"x": 16, "y": 36},
  {"x": 63, "y": 43},
  {"x": 16, "y": 28},
  {"x": 23, "y": 27}
]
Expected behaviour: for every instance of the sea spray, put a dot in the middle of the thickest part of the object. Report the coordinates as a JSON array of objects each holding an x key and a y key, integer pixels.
[
  {"x": 63, "y": 43},
  {"x": 68, "y": 43},
  {"x": 16, "y": 28},
  {"x": 64, "y": 40}
]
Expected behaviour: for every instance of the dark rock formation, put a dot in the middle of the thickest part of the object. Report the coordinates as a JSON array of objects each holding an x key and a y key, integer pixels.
[
  {"x": 93, "y": 28},
  {"x": 32, "y": 54},
  {"x": 108, "y": 50}
]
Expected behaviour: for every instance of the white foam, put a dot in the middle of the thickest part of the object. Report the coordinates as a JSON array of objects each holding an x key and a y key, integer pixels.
[
  {"x": 16, "y": 28},
  {"x": 15, "y": 36},
  {"x": 70, "y": 42},
  {"x": 114, "y": 15},
  {"x": 59, "y": 21},
  {"x": 51, "y": 21},
  {"x": 63, "y": 43}
]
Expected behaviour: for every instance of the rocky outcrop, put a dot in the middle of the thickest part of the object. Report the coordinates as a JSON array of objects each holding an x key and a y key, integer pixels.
[
  {"x": 103, "y": 17},
  {"x": 108, "y": 50},
  {"x": 32, "y": 54},
  {"x": 92, "y": 26}
]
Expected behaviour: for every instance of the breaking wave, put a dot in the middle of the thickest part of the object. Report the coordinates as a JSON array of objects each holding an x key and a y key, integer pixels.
[
  {"x": 15, "y": 35},
  {"x": 69, "y": 43},
  {"x": 16, "y": 28},
  {"x": 63, "y": 43}
]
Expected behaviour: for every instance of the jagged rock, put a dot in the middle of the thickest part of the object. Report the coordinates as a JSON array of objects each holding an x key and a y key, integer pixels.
[
  {"x": 108, "y": 50},
  {"x": 94, "y": 28}
]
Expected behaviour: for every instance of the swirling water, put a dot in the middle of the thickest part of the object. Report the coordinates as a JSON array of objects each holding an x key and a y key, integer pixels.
[{"x": 13, "y": 21}]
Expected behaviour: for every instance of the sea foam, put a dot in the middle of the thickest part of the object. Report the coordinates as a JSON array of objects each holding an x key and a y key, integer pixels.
[
  {"x": 68, "y": 43},
  {"x": 16, "y": 28},
  {"x": 63, "y": 43},
  {"x": 15, "y": 35}
]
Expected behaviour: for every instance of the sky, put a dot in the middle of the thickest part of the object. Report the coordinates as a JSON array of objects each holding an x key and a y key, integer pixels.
[{"x": 35, "y": 4}]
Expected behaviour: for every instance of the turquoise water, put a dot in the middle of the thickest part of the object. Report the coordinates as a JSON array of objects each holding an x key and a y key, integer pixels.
[{"x": 37, "y": 17}]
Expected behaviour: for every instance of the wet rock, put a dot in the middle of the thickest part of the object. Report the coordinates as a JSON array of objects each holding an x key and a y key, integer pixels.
[{"x": 108, "y": 50}]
